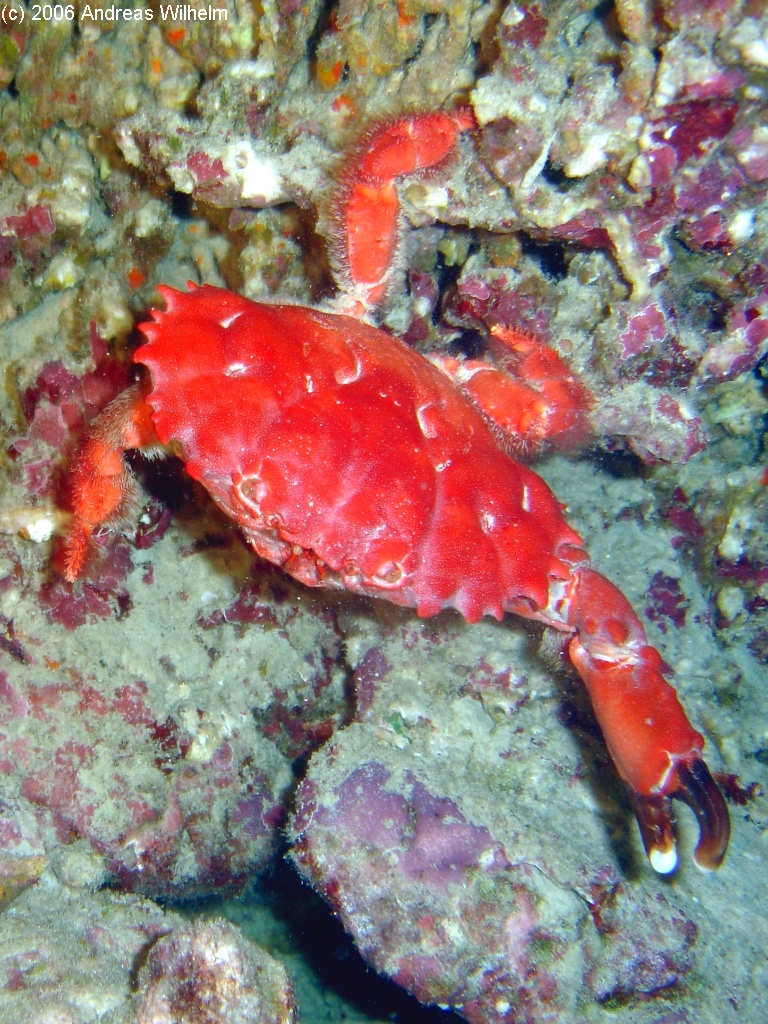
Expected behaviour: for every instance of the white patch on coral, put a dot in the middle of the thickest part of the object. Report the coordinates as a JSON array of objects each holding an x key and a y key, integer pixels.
[
  {"x": 35, "y": 524},
  {"x": 756, "y": 151},
  {"x": 590, "y": 159},
  {"x": 433, "y": 200},
  {"x": 731, "y": 547},
  {"x": 634, "y": 267},
  {"x": 741, "y": 226},
  {"x": 62, "y": 272},
  {"x": 639, "y": 175},
  {"x": 40, "y": 530},
  {"x": 512, "y": 16},
  {"x": 257, "y": 177},
  {"x": 538, "y": 165},
  {"x": 730, "y": 602},
  {"x": 128, "y": 146},
  {"x": 752, "y": 41},
  {"x": 149, "y": 219}
]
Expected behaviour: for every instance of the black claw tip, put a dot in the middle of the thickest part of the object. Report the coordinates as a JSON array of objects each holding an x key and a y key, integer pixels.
[
  {"x": 695, "y": 786},
  {"x": 699, "y": 790}
]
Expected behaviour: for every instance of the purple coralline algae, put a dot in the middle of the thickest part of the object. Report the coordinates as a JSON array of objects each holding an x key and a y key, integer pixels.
[
  {"x": 445, "y": 871},
  {"x": 179, "y": 791}
]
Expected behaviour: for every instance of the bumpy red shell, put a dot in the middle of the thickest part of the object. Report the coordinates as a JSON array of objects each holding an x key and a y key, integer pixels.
[{"x": 349, "y": 459}]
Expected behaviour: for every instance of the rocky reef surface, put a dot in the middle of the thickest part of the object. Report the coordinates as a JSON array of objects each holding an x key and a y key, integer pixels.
[{"x": 169, "y": 719}]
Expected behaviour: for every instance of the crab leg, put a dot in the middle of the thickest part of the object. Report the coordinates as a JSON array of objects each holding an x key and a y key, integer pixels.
[
  {"x": 366, "y": 207},
  {"x": 101, "y": 488},
  {"x": 529, "y": 398},
  {"x": 655, "y": 748}
]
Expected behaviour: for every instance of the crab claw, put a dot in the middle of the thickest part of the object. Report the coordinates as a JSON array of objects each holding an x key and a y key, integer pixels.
[
  {"x": 655, "y": 748},
  {"x": 692, "y": 783}
]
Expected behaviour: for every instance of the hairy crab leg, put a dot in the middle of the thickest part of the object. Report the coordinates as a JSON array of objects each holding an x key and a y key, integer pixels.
[
  {"x": 656, "y": 750},
  {"x": 366, "y": 207},
  {"x": 100, "y": 486}
]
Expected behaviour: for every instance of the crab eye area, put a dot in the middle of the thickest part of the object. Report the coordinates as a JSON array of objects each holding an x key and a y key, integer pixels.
[
  {"x": 351, "y": 575},
  {"x": 389, "y": 575},
  {"x": 252, "y": 491}
]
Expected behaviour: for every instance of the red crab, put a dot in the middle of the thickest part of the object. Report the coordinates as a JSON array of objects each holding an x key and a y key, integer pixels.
[{"x": 352, "y": 461}]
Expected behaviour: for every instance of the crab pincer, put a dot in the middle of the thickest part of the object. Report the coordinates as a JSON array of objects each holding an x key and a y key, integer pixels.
[{"x": 656, "y": 750}]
